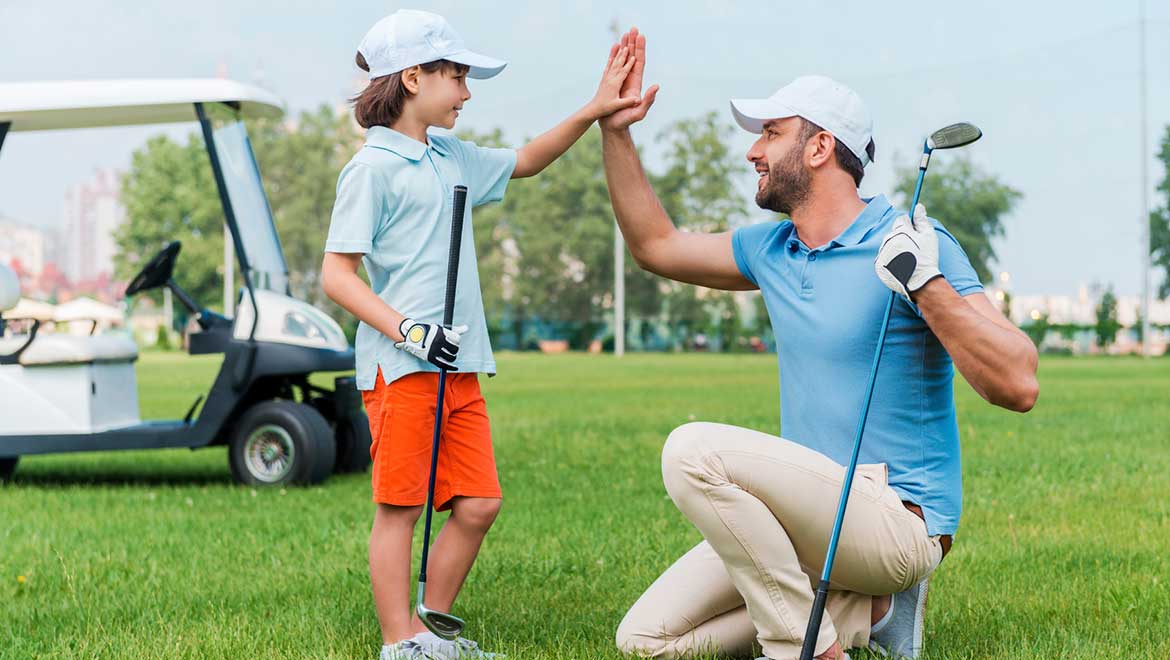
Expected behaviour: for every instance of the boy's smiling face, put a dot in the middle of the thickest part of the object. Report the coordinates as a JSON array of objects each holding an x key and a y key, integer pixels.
[{"x": 440, "y": 96}]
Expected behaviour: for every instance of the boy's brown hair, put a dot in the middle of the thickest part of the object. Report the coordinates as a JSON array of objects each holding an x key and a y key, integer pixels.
[{"x": 381, "y": 102}]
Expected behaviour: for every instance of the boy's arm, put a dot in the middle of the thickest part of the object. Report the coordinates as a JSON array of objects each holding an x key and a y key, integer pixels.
[
  {"x": 427, "y": 341},
  {"x": 538, "y": 154},
  {"x": 345, "y": 287}
]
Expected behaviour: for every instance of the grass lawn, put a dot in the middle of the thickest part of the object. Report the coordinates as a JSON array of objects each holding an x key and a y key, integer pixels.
[{"x": 1063, "y": 551}]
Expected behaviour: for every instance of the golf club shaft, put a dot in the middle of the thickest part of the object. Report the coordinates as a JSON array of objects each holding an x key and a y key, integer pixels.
[
  {"x": 458, "y": 205},
  {"x": 808, "y": 649}
]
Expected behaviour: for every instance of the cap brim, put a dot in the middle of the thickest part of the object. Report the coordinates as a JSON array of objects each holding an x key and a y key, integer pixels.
[
  {"x": 751, "y": 114},
  {"x": 481, "y": 66}
]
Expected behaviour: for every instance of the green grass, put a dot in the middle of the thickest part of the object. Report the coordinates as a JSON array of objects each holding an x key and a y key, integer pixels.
[{"x": 1062, "y": 552}]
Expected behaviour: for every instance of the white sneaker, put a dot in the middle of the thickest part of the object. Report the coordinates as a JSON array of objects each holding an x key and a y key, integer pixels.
[
  {"x": 457, "y": 649},
  {"x": 407, "y": 649}
]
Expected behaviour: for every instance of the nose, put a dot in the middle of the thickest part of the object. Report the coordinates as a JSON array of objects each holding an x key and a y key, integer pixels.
[{"x": 756, "y": 153}]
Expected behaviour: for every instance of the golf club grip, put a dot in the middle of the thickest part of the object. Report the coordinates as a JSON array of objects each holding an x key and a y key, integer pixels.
[
  {"x": 457, "y": 209},
  {"x": 809, "y": 648}
]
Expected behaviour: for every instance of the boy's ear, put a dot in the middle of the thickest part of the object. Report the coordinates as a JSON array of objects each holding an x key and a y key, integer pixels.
[{"x": 410, "y": 78}]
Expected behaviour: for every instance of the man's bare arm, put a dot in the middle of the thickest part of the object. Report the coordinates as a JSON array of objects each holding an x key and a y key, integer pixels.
[
  {"x": 994, "y": 356},
  {"x": 657, "y": 245}
]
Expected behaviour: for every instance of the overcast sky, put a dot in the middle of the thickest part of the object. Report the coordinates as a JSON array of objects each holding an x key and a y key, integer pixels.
[{"x": 1056, "y": 92}]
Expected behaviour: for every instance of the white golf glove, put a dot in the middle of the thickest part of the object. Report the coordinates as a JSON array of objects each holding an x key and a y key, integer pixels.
[
  {"x": 431, "y": 342},
  {"x": 908, "y": 258}
]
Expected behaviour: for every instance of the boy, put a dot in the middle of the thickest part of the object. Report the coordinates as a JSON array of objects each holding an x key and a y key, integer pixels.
[{"x": 393, "y": 213}]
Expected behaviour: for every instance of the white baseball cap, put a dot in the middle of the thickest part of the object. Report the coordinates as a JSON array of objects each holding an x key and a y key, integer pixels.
[
  {"x": 409, "y": 37},
  {"x": 823, "y": 101}
]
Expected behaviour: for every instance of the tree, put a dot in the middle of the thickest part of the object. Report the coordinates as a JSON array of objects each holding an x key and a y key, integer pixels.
[
  {"x": 169, "y": 194},
  {"x": 1160, "y": 222},
  {"x": 697, "y": 192},
  {"x": 1038, "y": 328},
  {"x": 1107, "y": 324},
  {"x": 969, "y": 202}
]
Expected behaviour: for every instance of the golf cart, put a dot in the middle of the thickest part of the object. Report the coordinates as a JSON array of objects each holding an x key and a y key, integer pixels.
[{"x": 67, "y": 393}]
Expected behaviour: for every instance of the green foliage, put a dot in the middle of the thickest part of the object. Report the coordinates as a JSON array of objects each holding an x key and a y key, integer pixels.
[
  {"x": 1160, "y": 222},
  {"x": 969, "y": 202},
  {"x": 1037, "y": 329},
  {"x": 169, "y": 194},
  {"x": 1107, "y": 323}
]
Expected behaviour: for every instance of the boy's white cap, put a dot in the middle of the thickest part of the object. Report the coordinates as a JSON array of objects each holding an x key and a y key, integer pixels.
[
  {"x": 409, "y": 37},
  {"x": 823, "y": 101}
]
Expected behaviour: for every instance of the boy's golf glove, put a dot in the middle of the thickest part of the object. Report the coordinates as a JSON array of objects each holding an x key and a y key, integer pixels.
[
  {"x": 431, "y": 342},
  {"x": 908, "y": 258}
]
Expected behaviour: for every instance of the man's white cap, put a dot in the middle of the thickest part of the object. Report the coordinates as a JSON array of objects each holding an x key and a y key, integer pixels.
[
  {"x": 409, "y": 37},
  {"x": 823, "y": 101}
]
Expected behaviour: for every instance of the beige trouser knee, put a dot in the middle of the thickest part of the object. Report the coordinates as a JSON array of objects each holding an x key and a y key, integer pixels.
[{"x": 766, "y": 508}]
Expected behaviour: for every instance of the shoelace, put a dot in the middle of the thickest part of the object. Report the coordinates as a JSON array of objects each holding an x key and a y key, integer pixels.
[{"x": 414, "y": 650}]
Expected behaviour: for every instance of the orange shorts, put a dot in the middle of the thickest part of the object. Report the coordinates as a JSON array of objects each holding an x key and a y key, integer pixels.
[{"x": 402, "y": 423}]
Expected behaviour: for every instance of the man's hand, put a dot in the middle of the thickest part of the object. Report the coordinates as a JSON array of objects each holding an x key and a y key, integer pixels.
[
  {"x": 632, "y": 88},
  {"x": 609, "y": 97},
  {"x": 908, "y": 258},
  {"x": 430, "y": 342}
]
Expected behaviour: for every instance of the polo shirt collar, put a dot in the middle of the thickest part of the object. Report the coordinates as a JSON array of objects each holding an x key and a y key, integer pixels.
[
  {"x": 381, "y": 137},
  {"x": 875, "y": 209}
]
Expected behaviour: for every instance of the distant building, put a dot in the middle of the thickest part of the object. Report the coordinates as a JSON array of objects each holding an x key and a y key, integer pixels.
[
  {"x": 23, "y": 245},
  {"x": 93, "y": 212}
]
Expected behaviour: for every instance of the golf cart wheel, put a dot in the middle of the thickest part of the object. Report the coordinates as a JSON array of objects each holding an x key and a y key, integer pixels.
[
  {"x": 281, "y": 442},
  {"x": 353, "y": 444},
  {"x": 8, "y": 466}
]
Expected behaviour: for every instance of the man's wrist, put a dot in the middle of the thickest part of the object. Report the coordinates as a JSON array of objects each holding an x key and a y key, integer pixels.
[{"x": 936, "y": 290}]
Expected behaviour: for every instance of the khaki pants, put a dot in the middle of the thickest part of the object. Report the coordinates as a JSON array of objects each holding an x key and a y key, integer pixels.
[{"x": 766, "y": 508}]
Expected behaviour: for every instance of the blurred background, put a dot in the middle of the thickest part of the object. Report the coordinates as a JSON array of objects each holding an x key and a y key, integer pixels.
[{"x": 1062, "y": 206}]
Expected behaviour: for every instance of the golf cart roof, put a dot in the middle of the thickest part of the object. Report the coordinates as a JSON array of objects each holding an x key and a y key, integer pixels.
[{"x": 39, "y": 106}]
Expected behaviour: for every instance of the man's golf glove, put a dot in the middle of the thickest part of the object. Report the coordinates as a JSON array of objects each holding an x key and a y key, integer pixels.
[
  {"x": 908, "y": 258},
  {"x": 431, "y": 342}
]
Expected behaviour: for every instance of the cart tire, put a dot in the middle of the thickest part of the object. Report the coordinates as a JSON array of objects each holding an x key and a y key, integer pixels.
[
  {"x": 281, "y": 442},
  {"x": 8, "y": 466},
  {"x": 353, "y": 444}
]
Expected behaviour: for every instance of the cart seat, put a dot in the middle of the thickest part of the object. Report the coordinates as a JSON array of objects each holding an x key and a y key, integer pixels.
[{"x": 51, "y": 349}]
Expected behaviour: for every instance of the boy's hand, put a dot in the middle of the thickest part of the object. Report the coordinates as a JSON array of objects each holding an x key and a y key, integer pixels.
[
  {"x": 430, "y": 342},
  {"x": 608, "y": 98},
  {"x": 623, "y": 118}
]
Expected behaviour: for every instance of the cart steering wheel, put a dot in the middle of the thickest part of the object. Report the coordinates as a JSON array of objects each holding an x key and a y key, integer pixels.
[{"x": 157, "y": 271}]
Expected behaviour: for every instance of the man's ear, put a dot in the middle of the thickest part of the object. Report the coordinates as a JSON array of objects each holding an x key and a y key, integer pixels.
[
  {"x": 822, "y": 145},
  {"x": 411, "y": 78}
]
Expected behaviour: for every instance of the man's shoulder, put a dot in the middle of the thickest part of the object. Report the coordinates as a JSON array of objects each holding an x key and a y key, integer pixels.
[{"x": 761, "y": 235}]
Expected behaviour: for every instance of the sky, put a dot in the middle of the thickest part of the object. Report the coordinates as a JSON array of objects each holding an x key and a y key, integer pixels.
[{"x": 1055, "y": 92}]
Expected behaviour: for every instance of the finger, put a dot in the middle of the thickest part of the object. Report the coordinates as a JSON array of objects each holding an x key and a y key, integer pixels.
[
  {"x": 625, "y": 102},
  {"x": 920, "y": 221},
  {"x": 618, "y": 59},
  {"x": 648, "y": 99},
  {"x": 640, "y": 52},
  {"x": 612, "y": 53},
  {"x": 461, "y": 328},
  {"x": 628, "y": 64}
]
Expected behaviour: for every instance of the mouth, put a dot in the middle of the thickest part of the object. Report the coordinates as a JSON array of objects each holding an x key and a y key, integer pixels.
[{"x": 763, "y": 173}]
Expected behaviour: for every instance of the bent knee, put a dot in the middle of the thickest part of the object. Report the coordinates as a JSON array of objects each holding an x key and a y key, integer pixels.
[
  {"x": 631, "y": 640},
  {"x": 477, "y": 512},
  {"x": 683, "y": 447}
]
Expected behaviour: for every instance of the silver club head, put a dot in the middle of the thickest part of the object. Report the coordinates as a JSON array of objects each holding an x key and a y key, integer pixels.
[
  {"x": 447, "y": 626},
  {"x": 955, "y": 135}
]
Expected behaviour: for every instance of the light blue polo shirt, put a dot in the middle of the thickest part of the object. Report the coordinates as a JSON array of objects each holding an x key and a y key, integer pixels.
[
  {"x": 394, "y": 205},
  {"x": 826, "y": 307}
]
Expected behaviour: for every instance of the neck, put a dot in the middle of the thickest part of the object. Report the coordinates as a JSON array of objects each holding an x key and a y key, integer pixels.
[
  {"x": 826, "y": 213},
  {"x": 411, "y": 127}
]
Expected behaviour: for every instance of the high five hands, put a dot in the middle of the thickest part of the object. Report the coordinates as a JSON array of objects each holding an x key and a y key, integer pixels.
[{"x": 626, "y": 105}]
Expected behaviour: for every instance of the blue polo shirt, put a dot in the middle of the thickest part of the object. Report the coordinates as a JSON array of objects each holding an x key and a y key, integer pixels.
[
  {"x": 826, "y": 306},
  {"x": 394, "y": 205}
]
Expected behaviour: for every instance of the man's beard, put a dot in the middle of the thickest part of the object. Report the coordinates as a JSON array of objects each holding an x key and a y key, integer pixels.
[{"x": 788, "y": 185}]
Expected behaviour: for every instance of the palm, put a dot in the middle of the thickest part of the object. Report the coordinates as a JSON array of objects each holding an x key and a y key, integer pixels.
[{"x": 632, "y": 87}]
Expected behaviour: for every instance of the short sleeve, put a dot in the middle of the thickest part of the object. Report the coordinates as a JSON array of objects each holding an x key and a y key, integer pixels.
[
  {"x": 356, "y": 212},
  {"x": 747, "y": 243},
  {"x": 955, "y": 265},
  {"x": 486, "y": 170}
]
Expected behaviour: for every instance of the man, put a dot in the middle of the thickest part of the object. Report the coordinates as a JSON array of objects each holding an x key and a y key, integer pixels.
[{"x": 765, "y": 505}]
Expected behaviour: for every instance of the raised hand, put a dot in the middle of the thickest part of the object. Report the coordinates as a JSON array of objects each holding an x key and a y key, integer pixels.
[
  {"x": 609, "y": 97},
  {"x": 634, "y": 43}
]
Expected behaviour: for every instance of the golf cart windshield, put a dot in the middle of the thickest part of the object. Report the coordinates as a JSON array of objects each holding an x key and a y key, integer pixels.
[{"x": 253, "y": 216}]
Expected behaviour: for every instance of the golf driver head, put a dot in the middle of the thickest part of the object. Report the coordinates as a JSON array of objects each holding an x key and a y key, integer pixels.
[
  {"x": 447, "y": 626},
  {"x": 955, "y": 135}
]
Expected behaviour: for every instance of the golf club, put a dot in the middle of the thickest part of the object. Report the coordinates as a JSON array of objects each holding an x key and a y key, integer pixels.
[
  {"x": 443, "y": 624},
  {"x": 902, "y": 266}
]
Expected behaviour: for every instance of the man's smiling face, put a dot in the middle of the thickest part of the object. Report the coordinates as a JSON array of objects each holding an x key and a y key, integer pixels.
[{"x": 778, "y": 156}]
